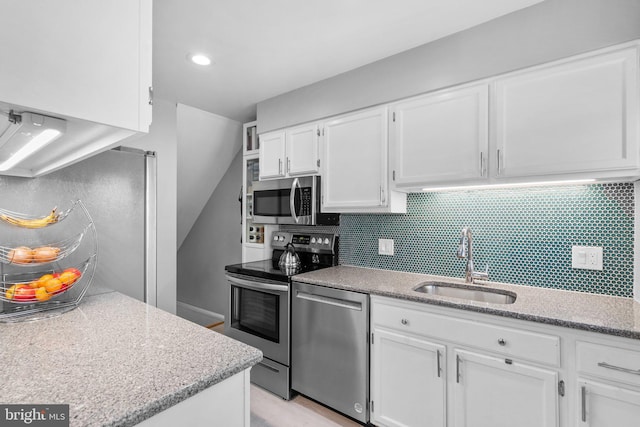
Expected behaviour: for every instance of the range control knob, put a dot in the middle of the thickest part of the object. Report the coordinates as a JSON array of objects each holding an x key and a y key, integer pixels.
[
  {"x": 313, "y": 240},
  {"x": 326, "y": 240},
  {"x": 275, "y": 237},
  {"x": 281, "y": 238}
]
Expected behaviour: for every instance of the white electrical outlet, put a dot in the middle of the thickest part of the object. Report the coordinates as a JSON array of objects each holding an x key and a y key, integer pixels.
[
  {"x": 586, "y": 257},
  {"x": 385, "y": 246}
]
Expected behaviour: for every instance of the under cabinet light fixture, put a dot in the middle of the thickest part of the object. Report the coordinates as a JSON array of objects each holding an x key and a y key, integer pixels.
[
  {"x": 27, "y": 133},
  {"x": 510, "y": 185}
]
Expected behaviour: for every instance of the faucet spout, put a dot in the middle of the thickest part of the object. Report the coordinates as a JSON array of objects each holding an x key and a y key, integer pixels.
[{"x": 465, "y": 250}]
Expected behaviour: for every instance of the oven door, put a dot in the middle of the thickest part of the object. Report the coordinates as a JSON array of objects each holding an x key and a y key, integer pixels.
[
  {"x": 285, "y": 201},
  {"x": 259, "y": 315}
]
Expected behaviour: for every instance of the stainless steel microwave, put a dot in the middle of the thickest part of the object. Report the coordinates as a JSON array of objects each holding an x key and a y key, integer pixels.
[{"x": 290, "y": 201}]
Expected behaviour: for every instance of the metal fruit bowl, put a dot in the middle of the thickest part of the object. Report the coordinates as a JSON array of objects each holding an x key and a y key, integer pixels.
[
  {"x": 34, "y": 281},
  {"x": 64, "y": 248}
]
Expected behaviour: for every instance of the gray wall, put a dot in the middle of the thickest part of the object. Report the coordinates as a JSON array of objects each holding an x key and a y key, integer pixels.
[
  {"x": 212, "y": 243},
  {"x": 544, "y": 32},
  {"x": 207, "y": 144}
]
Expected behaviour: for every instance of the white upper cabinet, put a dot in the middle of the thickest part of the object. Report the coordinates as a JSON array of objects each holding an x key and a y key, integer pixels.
[
  {"x": 290, "y": 152},
  {"x": 302, "y": 150},
  {"x": 272, "y": 155},
  {"x": 86, "y": 62},
  {"x": 354, "y": 164},
  {"x": 86, "y": 59},
  {"x": 577, "y": 116},
  {"x": 440, "y": 138}
]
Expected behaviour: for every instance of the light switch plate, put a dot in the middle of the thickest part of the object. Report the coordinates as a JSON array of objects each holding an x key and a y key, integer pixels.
[
  {"x": 385, "y": 247},
  {"x": 586, "y": 257}
]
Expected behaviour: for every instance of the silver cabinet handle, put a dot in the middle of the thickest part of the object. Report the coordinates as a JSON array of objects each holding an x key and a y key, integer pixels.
[
  {"x": 288, "y": 165},
  {"x": 482, "y": 163},
  {"x": 499, "y": 165},
  {"x": 619, "y": 368},
  {"x": 279, "y": 166},
  {"x": 439, "y": 369},
  {"x": 404, "y": 321},
  {"x": 583, "y": 395},
  {"x": 457, "y": 368}
]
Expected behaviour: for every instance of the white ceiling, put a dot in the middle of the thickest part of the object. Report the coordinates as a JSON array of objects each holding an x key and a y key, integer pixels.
[{"x": 263, "y": 48}]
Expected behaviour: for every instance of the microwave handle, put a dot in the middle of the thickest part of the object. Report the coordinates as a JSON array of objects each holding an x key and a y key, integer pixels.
[{"x": 292, "y": 200}]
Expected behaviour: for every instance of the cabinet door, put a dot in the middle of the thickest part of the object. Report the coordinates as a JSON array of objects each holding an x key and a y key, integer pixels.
[
  {"x": 578, "y": 116},
  {"x": 86, "y": 59},
  {"x": 498, "y": 392},
  {"x": 441, "y": 137},
  {"x": 355, "y": 162},
  {"x": 601, "y": 405},
  {"x": 302, "y": 150},
  {"x": 407, "y": 381},
  {"x": 272, "y": 155}
]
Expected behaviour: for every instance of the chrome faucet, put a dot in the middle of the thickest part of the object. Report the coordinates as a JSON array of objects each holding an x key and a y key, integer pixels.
[{"x": 465, "y": 250}]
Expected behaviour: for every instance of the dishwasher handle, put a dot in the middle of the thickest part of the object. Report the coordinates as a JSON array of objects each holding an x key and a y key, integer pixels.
[{"x": 337, "y": 302}]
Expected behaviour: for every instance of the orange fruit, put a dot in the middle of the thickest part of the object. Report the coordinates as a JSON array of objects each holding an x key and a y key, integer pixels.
[
  {"x": 42, "y": 294},
  {"x": 67, "y": 277},
  {"x": 52, "y": 285}
]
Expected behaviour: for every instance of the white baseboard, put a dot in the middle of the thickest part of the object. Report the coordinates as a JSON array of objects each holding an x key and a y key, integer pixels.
[{"x": 197, "y": 315}]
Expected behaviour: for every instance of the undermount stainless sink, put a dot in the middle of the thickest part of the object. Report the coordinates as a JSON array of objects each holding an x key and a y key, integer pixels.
[{"x": 465, "y": 292}]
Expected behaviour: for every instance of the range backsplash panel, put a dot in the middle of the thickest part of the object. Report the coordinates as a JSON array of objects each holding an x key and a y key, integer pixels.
[{"x": 525, "y": 235}]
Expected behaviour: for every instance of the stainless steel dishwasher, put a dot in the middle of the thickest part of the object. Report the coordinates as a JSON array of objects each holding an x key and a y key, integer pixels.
[{"x": 329, "y": 347}]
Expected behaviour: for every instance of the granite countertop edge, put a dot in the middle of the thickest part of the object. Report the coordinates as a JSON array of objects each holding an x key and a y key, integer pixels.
[
  {"x": 143, "y": 413},
  {"x": 319, "y": 278}
]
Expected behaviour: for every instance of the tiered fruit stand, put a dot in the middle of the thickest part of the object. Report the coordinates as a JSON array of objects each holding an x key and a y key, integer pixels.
[{"x": 47, "y": 263}]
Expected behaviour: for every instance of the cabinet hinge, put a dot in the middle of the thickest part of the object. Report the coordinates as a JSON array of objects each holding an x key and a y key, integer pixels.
[
  {"x": 561, "y": 387},
  {"x": 318, "y": 131},
  {"x": 318, "y": 162},
  {"x": 371, "y": 338},
  {"x": 372, "y": 406},
  {"x": 150, "y": 95},
  {"x": 394, "y": 175},
  {"x": 394, "y": 116}
]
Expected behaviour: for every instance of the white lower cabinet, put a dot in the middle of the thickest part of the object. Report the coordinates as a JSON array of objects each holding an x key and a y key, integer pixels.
[
  {"x": 500, "y": 392},
  {"x": 603, "y": 405},
  {"x": 433, "y": 368},
  {"x": 436, "y": 366},
  {"x": 412, "y": 392}
]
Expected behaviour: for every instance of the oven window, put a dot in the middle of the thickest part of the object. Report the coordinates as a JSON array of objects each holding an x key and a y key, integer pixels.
[
  {"x": 255, "y": 312},
  {"x": 271, "y": 202}
]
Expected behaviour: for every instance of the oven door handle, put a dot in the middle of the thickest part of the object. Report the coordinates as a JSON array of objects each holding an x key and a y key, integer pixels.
[
  {"x": 292, "y": 199},
  {"x": 258, "y": 286},
  {"x": 337, "y": 302}
]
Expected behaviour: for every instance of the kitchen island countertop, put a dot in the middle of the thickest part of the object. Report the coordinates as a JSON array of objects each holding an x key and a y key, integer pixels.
[
  {"x": 116, "y": 361},
  {"x": 597, "y": 313}
]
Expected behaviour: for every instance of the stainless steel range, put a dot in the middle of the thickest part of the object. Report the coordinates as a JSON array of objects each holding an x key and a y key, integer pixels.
[{"x": 259, "y": 309}]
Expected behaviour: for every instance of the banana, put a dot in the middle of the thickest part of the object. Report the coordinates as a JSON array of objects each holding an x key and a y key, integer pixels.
[{"x": 32, "y": 223}]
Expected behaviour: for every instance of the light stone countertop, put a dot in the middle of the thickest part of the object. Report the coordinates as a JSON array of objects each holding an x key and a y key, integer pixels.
[
  {"x": 115, "y": 360},
  {"x": 591, "y": 312}
]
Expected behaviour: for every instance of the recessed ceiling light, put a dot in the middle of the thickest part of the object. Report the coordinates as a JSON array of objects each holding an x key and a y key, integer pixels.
[{"x": 199, "y": 59}]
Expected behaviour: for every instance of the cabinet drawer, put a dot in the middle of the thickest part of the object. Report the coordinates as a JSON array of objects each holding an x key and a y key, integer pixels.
[
  {"x": 525, "y": 345},
  {"x": 608, "y": 362}
]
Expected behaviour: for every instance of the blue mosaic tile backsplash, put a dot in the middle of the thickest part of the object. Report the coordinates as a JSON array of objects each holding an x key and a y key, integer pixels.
[{"x": 524, "y": 235}]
